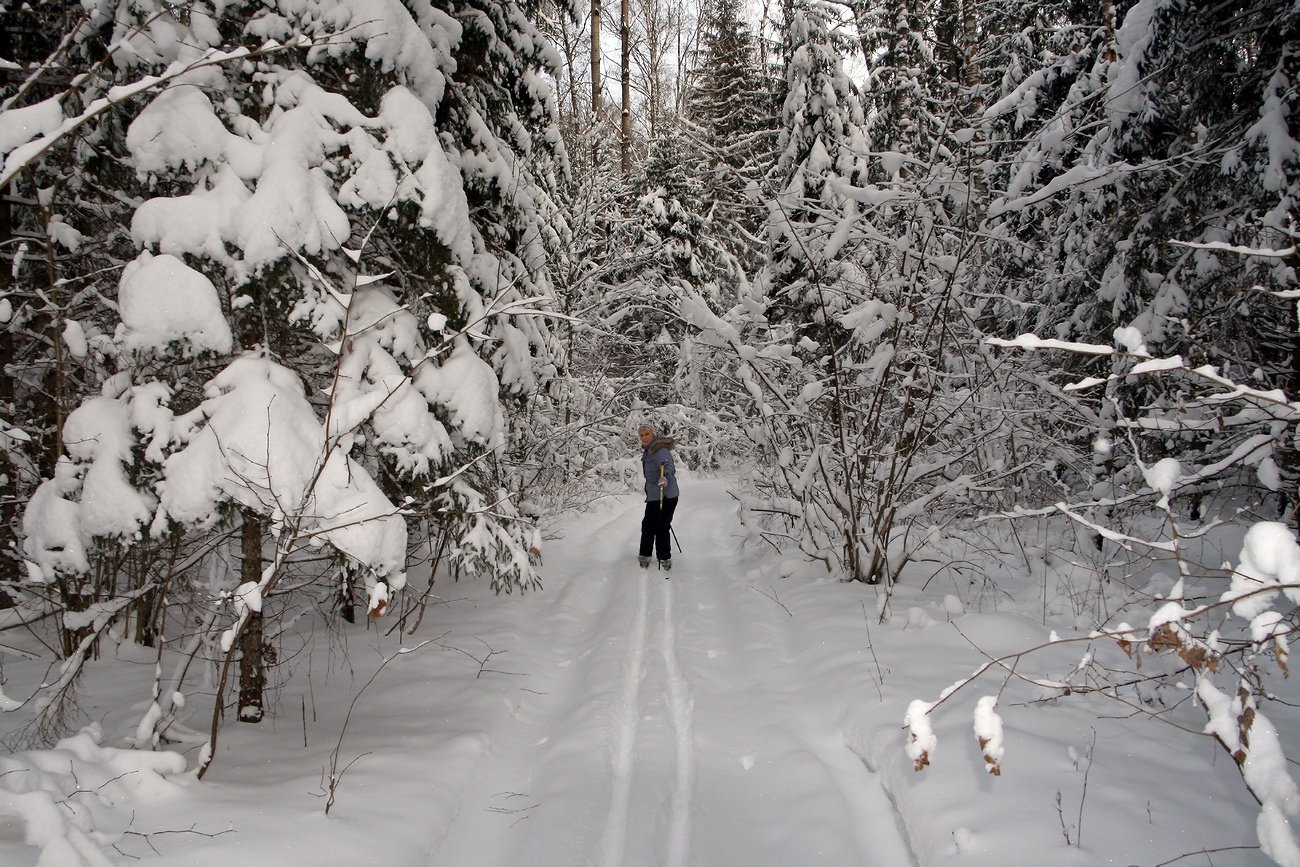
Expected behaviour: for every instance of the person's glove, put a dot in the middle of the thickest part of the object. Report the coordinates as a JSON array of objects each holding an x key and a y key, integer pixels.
[{"x": 663, "y": 483}]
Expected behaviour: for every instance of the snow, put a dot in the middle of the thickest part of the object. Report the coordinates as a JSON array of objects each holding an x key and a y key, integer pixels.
[
  {"x": 72, "y": 798},
  {"x": 98, "y": 434},
  {"x": 1274, "y": 131},
  {"x": 1269, "y": 556},
  {"x": 261, "y": 445},
  {"x": 163, "y": 301},
  {"x": 466, "y": 386},
  {"x": 1263, "y": 767},
  {"x": 1134, "y": 36},
  {"x": 199, "y": 223},
  {"x": 1031, "y": 341},
  {"x": 1162, "y": 477},
  {"x": 177, "y": 129},
  {"x": 22, "y": 155},
  {"x": 53, "y": 539},
  {"x": 988, "y": 731},
  {"x": 292, "y": 204},
  {"x": 372, "y": 384},
  {"x": 1157, "y": 365},
  {"x": 75, "y": 338},
  {"x": 1131, "y": 339},
  {"x": 24, "y": 123},
  {"x": 744, "y": 712}
]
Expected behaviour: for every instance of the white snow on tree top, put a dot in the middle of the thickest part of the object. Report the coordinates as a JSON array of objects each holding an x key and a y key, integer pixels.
[
  {"x": 163, "y": 301},
  {"x": 259, "y": 444}
]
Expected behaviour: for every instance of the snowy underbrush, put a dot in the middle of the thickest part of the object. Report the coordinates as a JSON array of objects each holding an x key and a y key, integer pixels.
[
  {"x": 1100, "y": 757},
  {"x": 76, "y": 802},
  {"x": 597, "y": 456},
  {"x": 342, "y": 725},
  {"x": 1150, "y": 660},
  {"x": 1102, "y": 750}
]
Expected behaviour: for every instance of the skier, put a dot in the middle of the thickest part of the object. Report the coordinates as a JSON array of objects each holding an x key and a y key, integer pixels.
[{"x": 660, "y": 496}]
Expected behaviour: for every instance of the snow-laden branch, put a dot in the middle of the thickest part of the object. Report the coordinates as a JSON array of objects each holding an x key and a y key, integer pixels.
[
  {"x": 1033, "y": 341},
  {"x": 1224, "y": 247},
  {"x": 28, "y": 135},
  {"x": 1147, "y": 363}
]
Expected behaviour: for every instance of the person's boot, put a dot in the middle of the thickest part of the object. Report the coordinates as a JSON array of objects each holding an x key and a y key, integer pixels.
[
  {"x": 643, "y": 561},
  {"x": 666, "y": 565}
]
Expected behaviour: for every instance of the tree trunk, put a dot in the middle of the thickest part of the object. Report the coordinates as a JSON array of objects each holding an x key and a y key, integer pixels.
[
  {"x": 625, "y": 126},
  {"x": 10, "y": 566},
  {"x": 252, "y": 665},
  {"x": 595, "y": 63},
  {"x": 595, "y": 83},
  {"x": 347, "y": 604},
  {"x": 570, "y": 52}
]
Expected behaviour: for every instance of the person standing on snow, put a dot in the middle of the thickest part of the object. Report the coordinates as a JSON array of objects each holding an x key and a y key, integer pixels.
[{"x": 660, "y": 497}]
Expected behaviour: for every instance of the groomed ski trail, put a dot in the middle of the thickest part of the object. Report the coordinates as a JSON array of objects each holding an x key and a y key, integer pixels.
[
  {"x": 682, "y": 703},
  {"x": 678, "y": 703},
  {"x": 642, "y": 734},
  {"x": 629, "y": 717}
]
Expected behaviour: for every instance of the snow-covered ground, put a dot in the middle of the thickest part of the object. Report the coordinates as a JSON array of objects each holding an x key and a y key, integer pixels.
[{"x": 744, "y": 712}]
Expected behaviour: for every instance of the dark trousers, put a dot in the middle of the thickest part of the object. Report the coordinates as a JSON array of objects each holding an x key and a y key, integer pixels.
[{"x": 655, "y": 527}]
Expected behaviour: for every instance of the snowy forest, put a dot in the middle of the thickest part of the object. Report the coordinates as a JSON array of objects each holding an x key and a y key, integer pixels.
[{"x": 318, "y": 312}]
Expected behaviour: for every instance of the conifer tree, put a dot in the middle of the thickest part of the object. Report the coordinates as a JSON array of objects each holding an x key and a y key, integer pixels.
[
  {"x": 663, "y": 244},
  {"x": 1169, "y": 133},
  {"x": 903, "y": 79},
  {"x": 732, "y": 122},
  {"x": 334, "y": 250},
  {"x": 822, "y": 138}
]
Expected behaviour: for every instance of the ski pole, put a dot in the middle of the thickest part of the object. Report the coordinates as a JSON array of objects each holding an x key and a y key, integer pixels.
[
  {"x": 680, "y": 549},
  {"x": 661, "y": 488}
]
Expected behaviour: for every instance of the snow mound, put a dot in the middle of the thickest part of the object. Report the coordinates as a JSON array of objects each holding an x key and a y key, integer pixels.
[
  {"x": 75, "y": 800},
  {"x": 163, "y": 301}
]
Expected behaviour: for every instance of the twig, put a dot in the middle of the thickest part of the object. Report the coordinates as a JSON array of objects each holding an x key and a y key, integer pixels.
[
  {"x": 1083, "y": 796},
  {"x": 880, "y": 675},
  {"x": 1208, "y": 852},
  {"x": 335, "y": 775},
  {"x": 148, "y": 835},
  {"x": 482, "y": 663},
  {"x": 774, "y": 598},
  {"x": 1060, "y": 814},
  {"x": 511, "y": 810}
]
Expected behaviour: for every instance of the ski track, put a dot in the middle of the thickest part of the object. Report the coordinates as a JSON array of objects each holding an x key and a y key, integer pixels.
[
  {"x": 681, "y": 704},
  {"x": 614, "y": 838},
  {"x": 651, "y": 732}
]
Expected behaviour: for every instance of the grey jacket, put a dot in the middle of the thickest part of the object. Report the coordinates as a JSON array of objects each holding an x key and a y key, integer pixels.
[{"x": 658, "y": 454}]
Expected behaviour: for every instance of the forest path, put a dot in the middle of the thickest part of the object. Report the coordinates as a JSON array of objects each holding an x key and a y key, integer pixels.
[{"x": 660, "y": 721}]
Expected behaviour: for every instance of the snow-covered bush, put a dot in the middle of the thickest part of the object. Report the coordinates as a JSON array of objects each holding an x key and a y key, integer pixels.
[
  {"x": 74, "y": 801},
  {"x": 1224, "y": 631}
]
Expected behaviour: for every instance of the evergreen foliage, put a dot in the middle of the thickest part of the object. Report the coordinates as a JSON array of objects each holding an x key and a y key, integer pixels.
[
  {"x": 320, "y": 243},
  {"x": 732, "y": 123},
  {"x": 822, "y": 141}
]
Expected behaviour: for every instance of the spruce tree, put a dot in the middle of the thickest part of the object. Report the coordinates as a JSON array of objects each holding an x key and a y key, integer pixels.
[
  {"x": 822, "y": 143},
  {"x": 732, "y": 123},
  {"x": 318, "y": 272},
  {"x": 1170, "y": 132}
]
